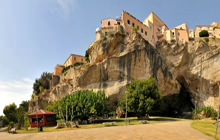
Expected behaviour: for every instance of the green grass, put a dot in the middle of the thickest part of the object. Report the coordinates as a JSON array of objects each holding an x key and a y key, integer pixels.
[
  {"x": 207, "y": 127},
  {"x": 99, "y": 123}
]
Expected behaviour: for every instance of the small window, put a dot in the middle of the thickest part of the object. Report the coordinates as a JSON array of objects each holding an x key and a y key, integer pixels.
[
  {"x": 82, "y": 60},
  {"x": 128, "y": 22},
  {"x": 142, "y": 31},
  {"x": 178, "y": 34},
  {"x": 109, "y": 23},
  {"x": 118, "y": 23},
  {"x": 74, "y": 58},
  {"x": 106, "y": 33},
  {"x": 132, "y": 24},
  {"x": 153, "y": 36},
  {"x": 151, "y": 27},
  {"x": 145, "y": 33},
  {"x": 138, "y": 28},
  {"x": 173, "y": 33}
]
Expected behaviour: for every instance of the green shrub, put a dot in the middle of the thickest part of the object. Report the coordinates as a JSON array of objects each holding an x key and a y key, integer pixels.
[
  {"x": 135, "y": 28},
  {"x": 104, "y": 38},
  {"x": 204, "y": 112},
  {"x": 204, "y": 33},
  {"x": 123, "y": 34},
  {"x": 206, "y": 40},
  {"x": 87, "y": 56}
]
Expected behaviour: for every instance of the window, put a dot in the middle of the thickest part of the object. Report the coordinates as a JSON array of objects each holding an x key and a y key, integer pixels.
[
  {"x": 150, "y": 27},
  {"x": 138, "y": 28},
  {"x": 173, "y": 33},
  {"x": 118, "y": 23},
  {"x": 128, "y": 22},
  {"x": 109, "y": 23},
  {"x": 178, "y": 34},
  {"x": 145, "y": 33},
  {"x": 74, "y": 58},
  {"x": 142, "y": 31},
  {"x": 106, "y": 33},
  {"x": 82, "y": 59},
  {"x": 153, "y": 36},
  {"x": 132, "y": 24}
]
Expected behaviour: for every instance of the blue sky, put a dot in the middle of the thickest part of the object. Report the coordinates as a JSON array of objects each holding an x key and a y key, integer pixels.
[{"x": 35, "y": 35}]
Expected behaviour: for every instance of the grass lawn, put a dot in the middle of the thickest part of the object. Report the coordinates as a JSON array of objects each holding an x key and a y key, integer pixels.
[
  {"x": 99, "y": 123},
  {"x": 207, "y": 127}
]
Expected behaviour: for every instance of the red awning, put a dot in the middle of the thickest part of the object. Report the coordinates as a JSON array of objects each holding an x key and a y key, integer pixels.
[{"x": 41, "y": 112}]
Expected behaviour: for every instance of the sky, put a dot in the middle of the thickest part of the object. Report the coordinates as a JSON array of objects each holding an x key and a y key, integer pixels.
[{"x": 35, "y": 35}]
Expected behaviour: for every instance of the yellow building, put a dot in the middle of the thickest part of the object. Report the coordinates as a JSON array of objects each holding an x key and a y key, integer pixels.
[
  {"x": 74, "y": 58},
  {"x": 70, "y": 61},
  {"x": 179, "y": 33},
  {"x": 208, "y": 28}
]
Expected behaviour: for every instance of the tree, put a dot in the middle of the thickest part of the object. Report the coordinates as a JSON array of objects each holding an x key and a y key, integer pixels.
[
  {"x": 20, "y": 116},
  {"x": 10, "y": 112},
  {"x": 4, "y": 120},
  {"x": 42, "y": 83},
  {"x": 82, "y": 105},
  {"x": 204, "y": 33},
  {"x": 25, "y": 105},
  {"x": 142, "y": 96},
  {"x": 87, "y": 56}
]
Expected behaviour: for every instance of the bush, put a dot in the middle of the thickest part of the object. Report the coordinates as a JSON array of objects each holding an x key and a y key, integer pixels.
[
  {"x": 87, "y": 56},
  {"x": 206, "y": 40},
  {"x": 204, "y": 112},
  {"x": 135, "y": 28},
  {"x": 203, "y": 33},
  {"x": 104, "y": 38},
  {"x": 173, "y": 41}
]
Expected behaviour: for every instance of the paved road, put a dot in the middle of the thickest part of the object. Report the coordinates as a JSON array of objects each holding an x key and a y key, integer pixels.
[{"x": 180, "y": 130}]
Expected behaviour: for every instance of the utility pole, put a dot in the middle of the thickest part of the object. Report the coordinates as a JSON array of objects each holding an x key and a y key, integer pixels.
[
  {"x": 218, "y": 111},
  {"x": 36, "y": 110},
  {"x": 126, "y": 112}
]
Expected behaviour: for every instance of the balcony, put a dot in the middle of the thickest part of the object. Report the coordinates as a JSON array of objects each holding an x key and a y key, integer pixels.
[{"x": 159, "y": 34}]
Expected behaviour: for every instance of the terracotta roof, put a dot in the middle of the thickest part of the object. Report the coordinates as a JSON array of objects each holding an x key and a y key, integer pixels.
[{"x": 42, "y": 112}]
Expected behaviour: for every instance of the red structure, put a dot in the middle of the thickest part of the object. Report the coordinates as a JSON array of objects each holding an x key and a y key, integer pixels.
[{"x": 45, "y": 118}]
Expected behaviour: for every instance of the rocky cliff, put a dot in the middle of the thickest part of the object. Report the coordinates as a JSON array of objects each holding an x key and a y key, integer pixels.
[{"x": 187, "y": 74}]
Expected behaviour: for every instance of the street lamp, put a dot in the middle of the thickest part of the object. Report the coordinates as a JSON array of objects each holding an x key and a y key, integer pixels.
[
  {"x": 36, "y": 98},
  {"x": 126, "y": 113},
  {"x": 218, "y": 110}
]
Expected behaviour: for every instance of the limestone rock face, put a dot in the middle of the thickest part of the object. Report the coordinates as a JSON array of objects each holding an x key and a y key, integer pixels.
[{"x": 181, "y": 71}]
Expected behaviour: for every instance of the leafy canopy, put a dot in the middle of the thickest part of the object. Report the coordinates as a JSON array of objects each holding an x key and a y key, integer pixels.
[{"x": 142, "y": 96}]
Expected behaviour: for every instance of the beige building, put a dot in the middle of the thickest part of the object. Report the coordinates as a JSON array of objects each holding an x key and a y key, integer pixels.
[
  {"x": 157, "y": 27},
  {"x": 58, "y": 69},
  {"x": 70, "y": 61},
  {"x": 179, "y": 33},
  {"x": 152, "y": 29},
  {"x": 208, "y": 28},
  {"x": 74, "y": 58},
  {"x": 191, "y": 33}
]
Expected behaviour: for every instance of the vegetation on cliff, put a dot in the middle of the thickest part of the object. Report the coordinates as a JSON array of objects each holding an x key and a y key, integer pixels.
[{"x": 42, "y": 83}]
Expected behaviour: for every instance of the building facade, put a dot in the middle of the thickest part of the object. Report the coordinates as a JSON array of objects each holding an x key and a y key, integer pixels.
[
  {"x": 58, "y": 69},
  {"x": 152, "y": 29},
  {"x": 208, "y": 28},
  {"x": 179, "y": 33},
  {"x": 70, "y": 61},
  {"x": 74, "y": 58}
]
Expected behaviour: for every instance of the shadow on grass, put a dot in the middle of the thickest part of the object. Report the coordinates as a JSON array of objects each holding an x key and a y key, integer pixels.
[{"x": 162, "y": 119}]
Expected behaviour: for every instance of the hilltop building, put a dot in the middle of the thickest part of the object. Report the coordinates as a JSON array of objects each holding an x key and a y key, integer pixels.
[
  {"x": 70, "y": 61},
  {"x": 213, "y": 30},
  {"x": 178, "y": 33},
  {"x": 152, "y": 29}
]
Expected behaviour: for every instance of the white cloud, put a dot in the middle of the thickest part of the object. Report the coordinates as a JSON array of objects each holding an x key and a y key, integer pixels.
[
  {"x": 67, "y": 5},
  {"x": 15, "y": 91}
]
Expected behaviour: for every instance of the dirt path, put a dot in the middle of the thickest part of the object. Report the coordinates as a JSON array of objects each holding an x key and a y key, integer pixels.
[{"x": 163, "y": 131}]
